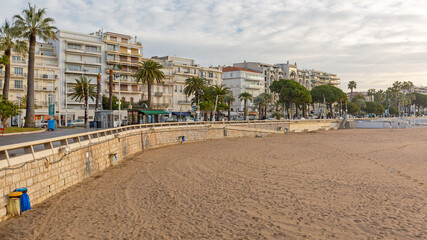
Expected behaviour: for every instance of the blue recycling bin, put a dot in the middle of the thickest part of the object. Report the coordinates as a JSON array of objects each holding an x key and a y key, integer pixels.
[
  {"x": 25, "y": 199},
  {"x": 51, "y": 125}
]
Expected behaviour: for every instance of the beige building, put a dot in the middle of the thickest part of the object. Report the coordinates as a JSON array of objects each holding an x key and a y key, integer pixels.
[
  {"x": 46, "y": 72},
  {"x": 318, "y": 78},
  {"x": 420, "y": 89},
  {"x": 170, "y": 94},
  {"x": 122, "y": 50}
]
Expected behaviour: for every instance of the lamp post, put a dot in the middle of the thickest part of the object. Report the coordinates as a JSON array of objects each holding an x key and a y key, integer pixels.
[{"x": 118, "y": 76}]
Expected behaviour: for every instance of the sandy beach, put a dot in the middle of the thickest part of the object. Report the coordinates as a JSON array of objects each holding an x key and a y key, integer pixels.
[{"x": 344, "y": 184}]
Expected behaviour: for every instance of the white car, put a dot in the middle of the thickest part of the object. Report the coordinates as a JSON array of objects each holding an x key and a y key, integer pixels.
[{"x": 77, "y": 123}]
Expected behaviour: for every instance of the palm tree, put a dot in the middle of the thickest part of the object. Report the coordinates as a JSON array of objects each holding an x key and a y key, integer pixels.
[
  {"x": 229, "y": 99},
  {"x": 245, "y": 96},
  {"x": 149, "y": 72},
  {"x": 9, "y": 41},
  {"x": 3, "y": 60},
  {"x": 259, "y": 103},
  {"x": 83, "y": 91},
  {"x": 268, "y": 98},
  {"x": 352, "y": 85},
  {"x": 194, "y": 86},
  {"x": 23, "y": 102},
  {"x": 371, "y": 93},
  {"x": 32, "y": 24}
]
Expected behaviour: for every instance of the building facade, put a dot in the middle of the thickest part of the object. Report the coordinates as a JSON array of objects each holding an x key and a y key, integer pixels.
[
  {"x": 124, "y": 56},
  {"x": 79, "y": 55},
  {"x": 318, "y": 78},
  {"x": 46, "y": 80},
  {"x": 243, "y": 80},
  {"x": 271, "y": 72}
]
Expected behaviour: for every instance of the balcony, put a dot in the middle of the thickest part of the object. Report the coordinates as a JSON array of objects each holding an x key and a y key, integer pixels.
[
  {"x": 184, "y": 102},
  {"x": 160, "y": 105},
  {"x": 253, "y": 86},
  {"x": 46, "y": 76},
  {"x": 158, "y": 94}
]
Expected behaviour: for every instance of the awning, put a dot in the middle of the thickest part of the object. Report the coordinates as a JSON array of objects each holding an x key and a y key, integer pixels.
[
  {"x": 181, "y": 113},
  {"x": 153, "y": 112}
]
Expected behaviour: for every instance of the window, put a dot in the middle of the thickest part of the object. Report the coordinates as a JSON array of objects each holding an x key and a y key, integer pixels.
[
  {"x": 19, "y": 84},
  {"x": 50, "y": 99},
  {"x": 19, "y": 71},
  {"x": 74, "y": 46},
  {"x": 71, "y": 67},
  {"x": 180, "y": 88},
  {"x": 113, "y": 38},
  {"x": 176, "y": 88},
  {"x": 211, "y": 75},
  {"x": 111, "y": 47},
  {"x": 91, "y": 48},
  {"x": 195, "y": 71},
  {"x": 16, "y": 58},
  {"x": 124, "y": 40},
  {"x": 1, "y": 83},
  {"x": 1, "y": 70}
]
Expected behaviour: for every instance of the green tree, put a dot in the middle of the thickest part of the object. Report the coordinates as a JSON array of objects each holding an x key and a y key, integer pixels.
[
  {"x": 258, "y": 103},
  {"x": 148, "y": 73},
  {"x": 3, "y": 61},
  {"x": 8, "y": 109},
  {"x": 352, "y": 108},
  {"x": 229, "y": 99},
  {"x": 82, "y": 91},
  {"x": 328, "y": 94},
  {"x": 245, "y": 96},
  {"x": 352, "y": 85},
  {"x": 268, "y": 99},
  {"x": 420, "y": 102},
  {"x": 374, "y": 108},
  {"x": 195, "y": 86},
  {"x": 291, "y": 92},
  {"x": 9, "y": 39},
  {"x": 33, "y": 24},
  {"x": 371, "y": 94}
]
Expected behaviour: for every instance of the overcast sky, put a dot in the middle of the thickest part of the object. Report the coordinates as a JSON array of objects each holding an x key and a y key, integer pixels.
[{"x": 371, "y": 42}]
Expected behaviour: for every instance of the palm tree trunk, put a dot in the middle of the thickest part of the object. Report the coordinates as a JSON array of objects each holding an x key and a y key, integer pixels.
[
  {"x": 86, "y": 100},
  {"x": 7, "y": 75},
  {"x": 30, "y": 115},
  {"x": 229, "y": 112},
  {"x": 259, "y": 112},
  {"x": 149, "y": 94},
  {"x": 244, "y": 109}
]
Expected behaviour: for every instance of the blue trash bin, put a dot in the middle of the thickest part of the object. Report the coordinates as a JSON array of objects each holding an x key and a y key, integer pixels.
[
  {"x": 51, "y": 125},
  {"x": 25, "y": 199}
]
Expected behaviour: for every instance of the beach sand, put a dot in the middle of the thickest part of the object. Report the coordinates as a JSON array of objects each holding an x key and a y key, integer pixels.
[{"x": 344, "y": 184}]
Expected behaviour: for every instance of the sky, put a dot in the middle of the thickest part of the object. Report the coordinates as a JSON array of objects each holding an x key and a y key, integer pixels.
[{"x": 371, "y": 42}]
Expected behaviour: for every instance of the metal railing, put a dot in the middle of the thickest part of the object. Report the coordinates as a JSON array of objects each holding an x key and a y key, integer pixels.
[{"x": 28, "y": 151}]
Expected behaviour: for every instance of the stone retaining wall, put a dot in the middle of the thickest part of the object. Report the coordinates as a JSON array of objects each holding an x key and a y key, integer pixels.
[{"x": 51, "y": 173}]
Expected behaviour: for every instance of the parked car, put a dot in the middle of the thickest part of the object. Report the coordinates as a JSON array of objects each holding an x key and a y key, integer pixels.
[
  {"x": 43, "y": 124},
  {"x": 77, "y": 123}
]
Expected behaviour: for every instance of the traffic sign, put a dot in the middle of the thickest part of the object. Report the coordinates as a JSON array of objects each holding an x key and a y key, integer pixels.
[{"x": 51, "y": 109}]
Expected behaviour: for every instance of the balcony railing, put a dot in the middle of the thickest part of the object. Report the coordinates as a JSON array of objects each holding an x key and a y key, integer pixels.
[
  {"x": 184, "y": 102},
  {"x": 158, "y": 94}
]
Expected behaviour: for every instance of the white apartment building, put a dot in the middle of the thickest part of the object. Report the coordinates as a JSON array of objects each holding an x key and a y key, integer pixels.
[
  {"x": 243, "y": 80},
  {"x": 78, "y": 55},
  {"x": 46, "y": 74},
  {"x": 271, "y": 72}
]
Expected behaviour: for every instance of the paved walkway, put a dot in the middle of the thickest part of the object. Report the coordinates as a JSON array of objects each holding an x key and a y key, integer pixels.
[{"x": 6, "y": 140}]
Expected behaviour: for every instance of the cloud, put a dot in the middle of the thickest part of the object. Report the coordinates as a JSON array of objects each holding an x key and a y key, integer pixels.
[{"x": 371, "y": 42}]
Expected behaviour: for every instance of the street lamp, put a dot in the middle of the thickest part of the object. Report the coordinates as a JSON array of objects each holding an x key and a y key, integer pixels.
[{"x": 117, "y": 75}]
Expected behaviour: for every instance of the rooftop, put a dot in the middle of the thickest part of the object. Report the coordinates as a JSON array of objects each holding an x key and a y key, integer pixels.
[{"x": 235, "y": 69}]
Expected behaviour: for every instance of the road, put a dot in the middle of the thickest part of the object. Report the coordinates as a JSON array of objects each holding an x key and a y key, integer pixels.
[{"x": 13, "y": 139}]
